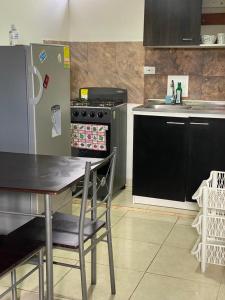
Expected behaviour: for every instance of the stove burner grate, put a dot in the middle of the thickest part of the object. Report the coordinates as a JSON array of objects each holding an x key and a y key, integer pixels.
[{"x": 94, "y": 103}]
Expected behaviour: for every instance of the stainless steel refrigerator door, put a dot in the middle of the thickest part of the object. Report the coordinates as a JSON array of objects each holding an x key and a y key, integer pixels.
[
  {"x": 14, "y": 130},
  {"x": 50, "y": 117}
]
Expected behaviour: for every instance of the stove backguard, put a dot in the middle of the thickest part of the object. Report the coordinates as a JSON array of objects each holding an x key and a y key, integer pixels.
[{"x": 116, "y": 95}]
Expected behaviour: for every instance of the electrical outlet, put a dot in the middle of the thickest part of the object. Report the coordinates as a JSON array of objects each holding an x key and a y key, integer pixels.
[
  {"x": 149, "y": 70},
  {"x": 178, "y": 78}
]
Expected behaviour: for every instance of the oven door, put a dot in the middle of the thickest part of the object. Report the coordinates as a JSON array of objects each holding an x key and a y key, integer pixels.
[
  {"x": 77, "y": 150},
  {"x": 79, "y": 143}
]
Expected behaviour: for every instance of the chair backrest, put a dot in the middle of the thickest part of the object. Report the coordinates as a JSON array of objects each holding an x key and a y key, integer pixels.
[{"x": 97, "y": 176}]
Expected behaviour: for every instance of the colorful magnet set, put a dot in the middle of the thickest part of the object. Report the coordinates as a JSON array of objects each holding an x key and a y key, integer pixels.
[{"x": 89, "y": 136}]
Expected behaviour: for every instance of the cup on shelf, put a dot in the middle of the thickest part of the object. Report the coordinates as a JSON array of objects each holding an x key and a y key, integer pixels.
[
  {"x": 221, "y": 38},
  {"x": 208, "y": 39}
]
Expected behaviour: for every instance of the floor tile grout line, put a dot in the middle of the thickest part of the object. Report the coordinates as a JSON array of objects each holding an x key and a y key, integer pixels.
[
  {"x": 153, "y": 243},
  {"x": 162, "y": 245},
  {"x": 161, "y": 214},
  {"x": 69, "y": 270},
  {"x": 67, "y": 258},
  {"x": 111, "y": 210},
  {"x": 126, "y": 239},
  {"x": 218, "y": 293},
  {"x": 153, "y": 259},
  {"x": 24, "y": 290},
  {"x": 120, "y": 268},
  {"x": 190, "y": 280},
  {"x": 152, "y": 211},
  {"x": 150, "y": 220},
  {"x": 33, "y": 291},
  {"x": 112, "y": 225},
  {"x": 178, "y": 214}
]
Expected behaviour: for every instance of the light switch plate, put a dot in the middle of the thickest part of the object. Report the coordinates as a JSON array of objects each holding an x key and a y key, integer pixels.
[
  {"x": 148, "y": 70},
  {"x": 184, "y": 79}
]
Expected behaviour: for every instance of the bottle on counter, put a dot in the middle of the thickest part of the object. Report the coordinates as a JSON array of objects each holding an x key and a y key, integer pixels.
[
  {"x": 13, "y": 35},
  {"x": 179, "y": 93}
]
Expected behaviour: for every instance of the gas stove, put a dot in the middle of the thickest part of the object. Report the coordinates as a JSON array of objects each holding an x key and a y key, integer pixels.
[
  {"x": 94, "y": 103},
  {"x": 100, "y": 97},
  {"x": 98, "y": 104},
  {"x": 99, "y": 123}
]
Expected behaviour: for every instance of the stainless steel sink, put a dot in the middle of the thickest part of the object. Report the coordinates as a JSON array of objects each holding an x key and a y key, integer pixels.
[
  {"x": 189, "y": 105},
  {"x": 208, "y": 107},
  {"x": 163, "y": 106}
]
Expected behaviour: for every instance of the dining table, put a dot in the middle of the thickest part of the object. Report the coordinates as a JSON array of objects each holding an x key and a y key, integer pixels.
[{"x": 41, "y": 174}]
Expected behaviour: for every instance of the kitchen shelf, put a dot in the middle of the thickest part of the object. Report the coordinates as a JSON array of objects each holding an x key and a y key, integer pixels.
[
  {"x": 201, "y": 46},
  {"x": 212, "y": 46}
]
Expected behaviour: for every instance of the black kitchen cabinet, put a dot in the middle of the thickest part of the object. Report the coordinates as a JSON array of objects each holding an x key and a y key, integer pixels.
[
  {"x": 206, "y": 150},
  {"x": 172, "y": 156},
  {"x": 159, "y": 157},
  {"x": 172, "y": 22}
]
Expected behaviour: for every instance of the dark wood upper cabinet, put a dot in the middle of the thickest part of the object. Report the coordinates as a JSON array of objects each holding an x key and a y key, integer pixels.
[{"x": 172, "y": 22}]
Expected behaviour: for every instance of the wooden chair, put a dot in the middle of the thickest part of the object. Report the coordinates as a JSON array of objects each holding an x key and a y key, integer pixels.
[
  {"x": 72, "y": 232},
  {"x": 15, "y": 252}
]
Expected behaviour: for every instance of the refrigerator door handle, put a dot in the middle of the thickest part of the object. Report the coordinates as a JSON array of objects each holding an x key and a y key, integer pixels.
[{"x": 36, "y": 99}]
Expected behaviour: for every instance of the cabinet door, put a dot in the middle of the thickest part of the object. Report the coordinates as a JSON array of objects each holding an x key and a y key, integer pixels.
[
  {"x": 206, "y": 150},
  {"x": 172, "y": 22},
  {"x": 159, "y": 157}
]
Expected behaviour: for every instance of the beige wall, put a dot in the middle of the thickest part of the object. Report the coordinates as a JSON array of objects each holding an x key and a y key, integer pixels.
[
  {"x": 116, "y": 20},
  {"x": 36, "y": 20},
  {"x": 106, "y": 20}
]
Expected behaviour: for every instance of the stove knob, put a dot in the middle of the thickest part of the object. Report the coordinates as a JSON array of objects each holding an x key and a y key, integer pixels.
[
  {"x": 84, "y": 113},
  {"x": 76, "y": 113},
  {"x": 92, "y": 114},
  {"x": 100, "y": 114}
]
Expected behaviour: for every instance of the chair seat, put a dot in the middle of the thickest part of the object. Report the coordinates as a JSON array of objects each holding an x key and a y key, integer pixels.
[
  {"x": 15, "y": 251},
  {"x": 65, "y": 229}
]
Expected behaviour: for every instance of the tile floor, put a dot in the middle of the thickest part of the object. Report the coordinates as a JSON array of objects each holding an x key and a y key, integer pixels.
[{"x": 152, "y": 260}]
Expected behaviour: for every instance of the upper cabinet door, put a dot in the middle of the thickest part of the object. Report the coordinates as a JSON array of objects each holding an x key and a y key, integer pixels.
[{"x": 172, "y": 22}]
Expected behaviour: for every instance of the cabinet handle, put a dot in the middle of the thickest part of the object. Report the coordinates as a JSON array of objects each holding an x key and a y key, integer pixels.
[
  {"x": 175, "y": 123},
  {"x": 187, "y": 39},
  {"x": 203, "y": 124}
]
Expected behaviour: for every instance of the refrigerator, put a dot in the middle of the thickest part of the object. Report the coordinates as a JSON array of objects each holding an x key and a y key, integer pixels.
[{"x": 34, "y": 115}]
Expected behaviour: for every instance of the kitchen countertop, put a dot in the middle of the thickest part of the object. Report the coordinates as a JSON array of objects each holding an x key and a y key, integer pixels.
[{"x": 209, "y": 109}]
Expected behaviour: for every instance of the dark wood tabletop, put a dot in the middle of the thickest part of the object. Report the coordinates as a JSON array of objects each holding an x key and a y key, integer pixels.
[{"x": 42, "y": 174}]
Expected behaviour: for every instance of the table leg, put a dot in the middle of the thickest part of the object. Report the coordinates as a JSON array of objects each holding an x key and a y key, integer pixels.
[{"x": 49, "y": 263}]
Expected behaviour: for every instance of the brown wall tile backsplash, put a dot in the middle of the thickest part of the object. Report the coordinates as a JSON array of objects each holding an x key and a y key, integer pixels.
[
  {"x": 205, "y": 67},
  {"x": 120, "y": 64},
  {"x": 108, "y": 65}
]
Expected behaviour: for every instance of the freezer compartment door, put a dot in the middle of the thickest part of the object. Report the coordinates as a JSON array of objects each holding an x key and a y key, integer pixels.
[
  {"x": 13, "y": 99},
  {"x": 50, "y": 100}
]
